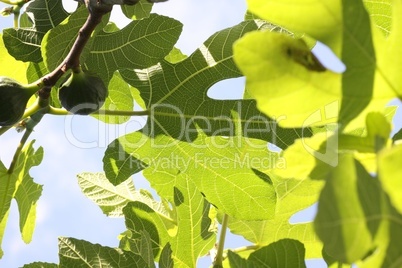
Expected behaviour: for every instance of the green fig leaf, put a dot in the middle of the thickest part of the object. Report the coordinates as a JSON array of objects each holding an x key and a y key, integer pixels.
[
  {"x": 139, "y": 45},
  {"x": 19, "y": 185},
  {"x": 9, "y": 66},
  {"x": 354, "y": 237},
  {"x": 283, "y": 14},
  {"x": 390, "y": 174},
  {"x": 388, "y": 60},
  {"x": 35, "y": 72},
  {"x": 191, "y": 225},
  {"x": 58, "y": 41},
  {"x": 398, "y": 136},
  {"x": 230, "y": 171},
  {"x": 236, "y": 261},
  {"x": 140, "y": 10},
  {"x": 40, "y": 265},
  {"x": 25, "y": 43},
  {"x": 309, "y": 154},
  {"x": 314, "y": 156},
  {"x": 178, "y": 119},
  {"x": 356, "y": 220},
  {"x": 177, "y": 94},
  {"x": 139, "y": 218},
  {"x": 6, "y": 197},
  {"x": 111, "y": 199},
  {"x": 165, "y": 260},
  {"x": 80, "y": 253},
  {"x": 293, "y": 196},
  {"x": 119, "y": 98},
  {"x": 175, "y": 56},
  {"x": 276, "y": 74},
  {"x": 381, "y": 13},
  {"x": 283, "y": 253}
]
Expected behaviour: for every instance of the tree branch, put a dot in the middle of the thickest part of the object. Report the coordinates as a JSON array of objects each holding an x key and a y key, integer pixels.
[{"x": 72, "y": 60}]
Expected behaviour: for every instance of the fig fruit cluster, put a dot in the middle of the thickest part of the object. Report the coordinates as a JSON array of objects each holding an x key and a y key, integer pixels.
[
  {"x": 82, "y": 92},
  {"x": 14, "y": 97}
]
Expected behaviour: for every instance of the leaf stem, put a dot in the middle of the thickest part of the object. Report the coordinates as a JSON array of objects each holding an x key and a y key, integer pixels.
[
  {"x": 57, "y": 111},
  {"x": 17, "y": 153},
  {"x": 32, "y": 109},
  {"x": 60, "y": 111},
  {"x": 122, "y": 112},
  {"x": 15, "y": 20},
  {"x": 29, "y": 124},
  {"x": 221, "y": 243},
  {"x": 241, "y": 249}
]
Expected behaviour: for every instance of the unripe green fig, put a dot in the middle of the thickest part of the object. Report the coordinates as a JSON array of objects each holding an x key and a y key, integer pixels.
[
  {"x": 14, "y": 97},
  {"x": 82, "y": 93}
]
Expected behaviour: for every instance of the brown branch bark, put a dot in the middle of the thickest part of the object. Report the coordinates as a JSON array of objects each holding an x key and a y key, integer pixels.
[
  {"x": 72, "y": 60},
  {"x": 96, "y": 8}
]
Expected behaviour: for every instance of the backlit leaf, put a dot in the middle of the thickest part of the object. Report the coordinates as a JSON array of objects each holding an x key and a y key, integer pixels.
[
  {"x": 140, "y": 10},
  {"x": 189, "y": 226},
  {"x": 80, "y": 253},
  {"x": 111, "y": 199},
  {"x": 284, "y": 253},
  {"x": 19, "y": 185},
  {"x": 25, "y": 43}
]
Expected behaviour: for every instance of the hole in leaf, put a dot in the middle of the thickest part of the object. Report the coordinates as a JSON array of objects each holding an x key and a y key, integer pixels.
[
  {"x": 229, "y": 89},
  {"x": 328, "y": 58},
  {"x": 142, "y": 184},
  {"x": 273, "y": 148},
  {"x": 305, "y": 215},
  {"x": 397, "y": 123},
  {"x": 69, "y": 6}
]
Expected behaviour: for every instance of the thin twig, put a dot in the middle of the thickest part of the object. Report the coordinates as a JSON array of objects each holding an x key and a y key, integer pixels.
[
  {"x": 16, "y": 19},
  {"x": 122, "y": 113},
  {"x": 72, "y": 60},
  {"x": 18, "y": 150},
  {"x": 244, "y": 248},
  {"x": 221, "y": 243}
]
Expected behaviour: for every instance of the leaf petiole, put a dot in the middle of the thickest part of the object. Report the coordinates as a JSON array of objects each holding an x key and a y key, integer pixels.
[
  {"x": 57, "y": 111},
  {"x": 122, "y": 112},
  {"x": 32, "y": 109},
  {"x": 241, "y": 249},
  {"x": 16, "y": 19},
  {"x": 17, "y": 153},
  {"x": 60, "y": 111},
  {"x": 221, "y": 243},
  {"x": 29, "y": 124}
]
